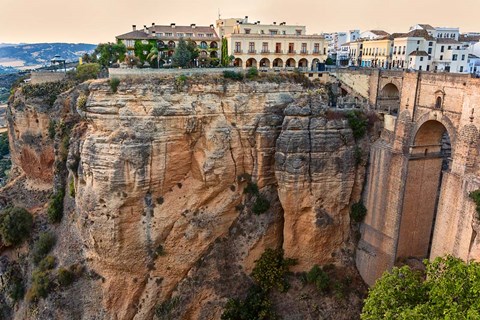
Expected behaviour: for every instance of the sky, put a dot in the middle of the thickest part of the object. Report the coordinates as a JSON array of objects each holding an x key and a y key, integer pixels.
[{"x": 95, "y": 21}]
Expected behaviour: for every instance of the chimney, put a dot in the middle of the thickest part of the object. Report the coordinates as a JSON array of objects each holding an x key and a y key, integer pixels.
[
  {"x": 211, "y": 26},
  {"x": 134, "y": 27},
  {"x": 193, "y": 25},
  {"x": 172, "y": 25}
]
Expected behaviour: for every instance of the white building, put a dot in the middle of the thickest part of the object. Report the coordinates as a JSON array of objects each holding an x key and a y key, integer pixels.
[
  {"x": 275, "y": 45},
  {"x": 450, "y": 56},
  {"x": 474, "y": 65},
  {"x": 418, "y": 41},
  {"x": 373, "y": 34}
]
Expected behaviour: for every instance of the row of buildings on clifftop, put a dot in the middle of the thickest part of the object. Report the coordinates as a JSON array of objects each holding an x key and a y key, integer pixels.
[{"x": 280, "y": 46}]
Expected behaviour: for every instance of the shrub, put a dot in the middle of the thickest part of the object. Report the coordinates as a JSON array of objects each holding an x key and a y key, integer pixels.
[
  {"x": 114, "y": 83},
  {"x": 255, "y": 306},
  {"x": 358, "y": 124},
  {"x": 319, "y": 278},
  {"x": 88, "y": 71},
  {"x": 51, "y": 128},
  {"x": 65, "y": 277},
  {"x": 40, "y": 286},
  {"x": 15, "y": 225},
  {"x": 251, "y": 188},
  {"x": 43, "y": 246},
  {"x": 238, "y": 76},
  {"x": 358, "y": 211},
  {"x": 261, "y": 205},
  {"x": 252, "y": 73},
  {"x": 82, "y": 102},
  {"x": 64, "y": 146},
  {"x": 164, "y": 309},
  {"x": 271, "y": 270},
  {"x": 55, "y": 208},
  {"x": 47, "y": 263},
  {"x": 71, "y": 188},
  {"x": 358, "y": 155},
  {"x": 475, "y": 196},
  {"x": 13, "y": 282}
]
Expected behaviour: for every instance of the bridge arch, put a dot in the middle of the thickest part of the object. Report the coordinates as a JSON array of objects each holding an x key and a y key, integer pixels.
[
  {"x": 429, "y": 156},
  {"x": 389, "y": 98}
]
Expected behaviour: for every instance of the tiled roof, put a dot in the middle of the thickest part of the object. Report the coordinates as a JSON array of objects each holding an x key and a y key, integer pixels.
[
  {"x": 426, "y": 27},
  {"x": 467, "y": 38},
  {"x": 447, "y": 40},
  {"x": 379, "y": 32},
  {"x": 419, "y": 53},
  {"x": 420, "y": 34},
  {"x": 142, "y": 35}
]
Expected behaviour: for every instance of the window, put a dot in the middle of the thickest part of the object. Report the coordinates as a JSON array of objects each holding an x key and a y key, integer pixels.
[
  {"x": 418, "y": 41},
  {"x": 420, "y": 68},
  {"x": 238, "y": 47},
  {"x": 421, "y": 58},
  {"x": 251, "y": 47},
  {"x": 265, "y": 47},
  {"x": 189, "y": 35},
  {"x": 304, "y": 48},
  {"x": 461, "y": 68},
  {"x": 291, "y": 48},
  {"x": 395, "y": 50},
  {"x": 429, "y": 50},
  {"x": 428, "y": 68},
  {"x": 403, "y": 51},
  {"x": 324, "y": 50},
  {"x": 429, "y": 58},
  {"x": 210, "y": 35},
  {"x": 247, "y": 31},
  {"x": 273, "y": 32},
  {"x": 442, "y": 49},
  {"x": 284, "y": 32},
  {"x": 441, "y": 57},
  {"x": 298, "y": 32},
  {"x": 160, "y": 34},
  {"x": 458, "y": 47},
  {"x": 438, "y": 101},
  {"x": 449, "y": 47},
  {"x": 463, "y": 57},
  {"x": 430, "y": 44},
  {"x": 316, "y": 48},
  {"x": 168, "y": 34},
  {"x": 278, "y": 47},
  {"x": 455, "y": 57},
  {"x": 179, "y": 34}
]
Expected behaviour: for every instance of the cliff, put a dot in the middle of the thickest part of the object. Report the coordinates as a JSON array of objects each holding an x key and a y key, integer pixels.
[{"x": 159, "y": 170}]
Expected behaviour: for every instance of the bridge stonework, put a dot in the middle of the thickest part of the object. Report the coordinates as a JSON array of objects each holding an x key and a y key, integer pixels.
[{"x": 421, "y": 170}]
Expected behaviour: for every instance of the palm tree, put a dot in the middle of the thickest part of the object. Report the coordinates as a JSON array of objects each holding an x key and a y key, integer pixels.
[{"x": 154, "y": 54}]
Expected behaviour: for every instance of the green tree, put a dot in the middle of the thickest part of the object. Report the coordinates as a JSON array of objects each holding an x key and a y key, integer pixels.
[
  {"x": 329, "y": 62},
  {"x": 88, "y": 71},
  {"x": 225, "y": 58},
  {"x": 182, "y": 56},
  {"x": 449, "y": 289},
  {"x": 15, "y": 225},
  {"x": 154, "y": 56},
  {"x": 194, "y": 52},
  {"x": 109, "y": 53}
]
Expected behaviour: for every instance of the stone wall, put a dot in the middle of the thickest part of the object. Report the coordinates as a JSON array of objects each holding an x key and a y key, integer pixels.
[{"x": 42, "y": 77}]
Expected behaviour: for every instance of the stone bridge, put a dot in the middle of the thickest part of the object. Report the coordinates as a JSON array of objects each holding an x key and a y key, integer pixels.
[{"x": 421, "y": 170}]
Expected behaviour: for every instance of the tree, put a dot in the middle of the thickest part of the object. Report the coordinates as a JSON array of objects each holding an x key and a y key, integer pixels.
[
  {"x": 329, "y": 62},
  {"x": 449, "y": 289},
  {"x": 15, "y": 225},
  {"x": 88, "y": 71},
  {"x": 154, "y": 55},
  {"x": 182, "y": 56},
  {"x": 109, "y": 53},
  {"x": 225, "y": 59},
  {"x": 194, "y": 52}
]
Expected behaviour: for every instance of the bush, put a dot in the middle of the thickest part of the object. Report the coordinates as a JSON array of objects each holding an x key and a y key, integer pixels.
[
  {"x": 15, "y": 225},
  {"x": 358, "y": 211},
  {"x": 475, "y": 196},
  {"x": 251, "y": 188},
  {"x": 319, "y": 278},
  {"x": 71, "y": 188},
  {"x": 55, "y": 208},
  {"x": 82, "y": 102},
  {"x": 43, "y": 246},
  {"x": 65, "y": 277},
  {"x": 358, "y": 155},
  {"x": 255, "y": 306},
  {"x": 261, "y": 205},
  {"x": 252, "y": 73},
  {"x": 88, "y": 71},
  {"x": 358, "y": 124},
  {"x": 40, "y": 286},
  {"x": 13, "y": 282},
  {"x": 47, "y": 263},
  {"x": 164, "y": 309},
  {"x": 238, "y": 76},
  {"x": 51, "y": 128},
  {"x": 114, "y": 83},
  {"x": 271, "y": 270}
]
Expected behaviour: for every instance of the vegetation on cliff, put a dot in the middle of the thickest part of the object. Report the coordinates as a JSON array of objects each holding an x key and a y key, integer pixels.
[
  {"x": 448, "y": 289},
  {"x": 15, "y": 225}
]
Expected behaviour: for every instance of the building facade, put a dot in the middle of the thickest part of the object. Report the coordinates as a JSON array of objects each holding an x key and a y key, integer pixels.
[
  {"x": 274, "y": 46},
  {"x": 166, "y": 39}
]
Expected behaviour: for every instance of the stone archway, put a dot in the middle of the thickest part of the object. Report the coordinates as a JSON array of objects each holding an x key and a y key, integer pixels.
[
  {"x": 303, "y": 63},
  {"x": 264, "y": 63},
  {"x": 290, "y": 63},
  {"x": 389, "y": 99},
  {"x": 251, "y": 63},
  {"x": 238, "y": 62},
  {"x": 428, "y": 157},
  {"x": 278, "y": 63}
]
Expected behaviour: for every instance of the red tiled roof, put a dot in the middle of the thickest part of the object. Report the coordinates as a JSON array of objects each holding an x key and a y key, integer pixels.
[
  {"x": 419, "y": 53},
  {"x": 142, "y": 35}
]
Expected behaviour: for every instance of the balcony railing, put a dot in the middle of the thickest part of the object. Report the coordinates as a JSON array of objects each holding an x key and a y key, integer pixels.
[
  {"x": 304, "y": 52},
  {"x": 292, "y": 52},
  {"x": 252, "y": 51},
  {"x": 238, "y": 51},
  {"x": 280, "y": 51},
  {"x": 316, "y": 52},
  {"x": 265, "y": 51}
]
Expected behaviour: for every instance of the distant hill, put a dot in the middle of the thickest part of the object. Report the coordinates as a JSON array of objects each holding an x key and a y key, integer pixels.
[{"x": 37, "y": 54}]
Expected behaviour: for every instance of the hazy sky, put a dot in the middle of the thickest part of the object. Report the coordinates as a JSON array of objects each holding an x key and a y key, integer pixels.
[{"x": 94, "y": 21}]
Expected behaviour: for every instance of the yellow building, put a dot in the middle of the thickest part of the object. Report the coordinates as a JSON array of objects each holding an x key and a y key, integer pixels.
[
  {"x": 377, "y": 53},
  {"x": 277, "y": 46}
]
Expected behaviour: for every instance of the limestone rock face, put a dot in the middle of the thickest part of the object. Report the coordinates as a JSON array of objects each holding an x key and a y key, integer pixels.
[
  {"x": 317, "y": 176},
  {"x": 159, "y": 171}
]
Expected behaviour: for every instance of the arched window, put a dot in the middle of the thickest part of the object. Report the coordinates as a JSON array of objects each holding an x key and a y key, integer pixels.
[{"x": 438, "y": 103}]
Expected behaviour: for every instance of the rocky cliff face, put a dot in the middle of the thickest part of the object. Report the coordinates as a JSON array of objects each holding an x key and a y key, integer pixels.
[{"x": 159, "y": 169}]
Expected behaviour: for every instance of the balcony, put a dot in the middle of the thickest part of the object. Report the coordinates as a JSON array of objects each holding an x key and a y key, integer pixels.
[
  {"x": 292, "y": 52},
  {"x": 304, "y": 52},
  {"x": 252, "y": 51},
  {"x": 238, "y": 51},
  {"x": 316, "y": 52},
  {"x": 265, "y": 51},
  {"x": 278, "y": 51}
]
